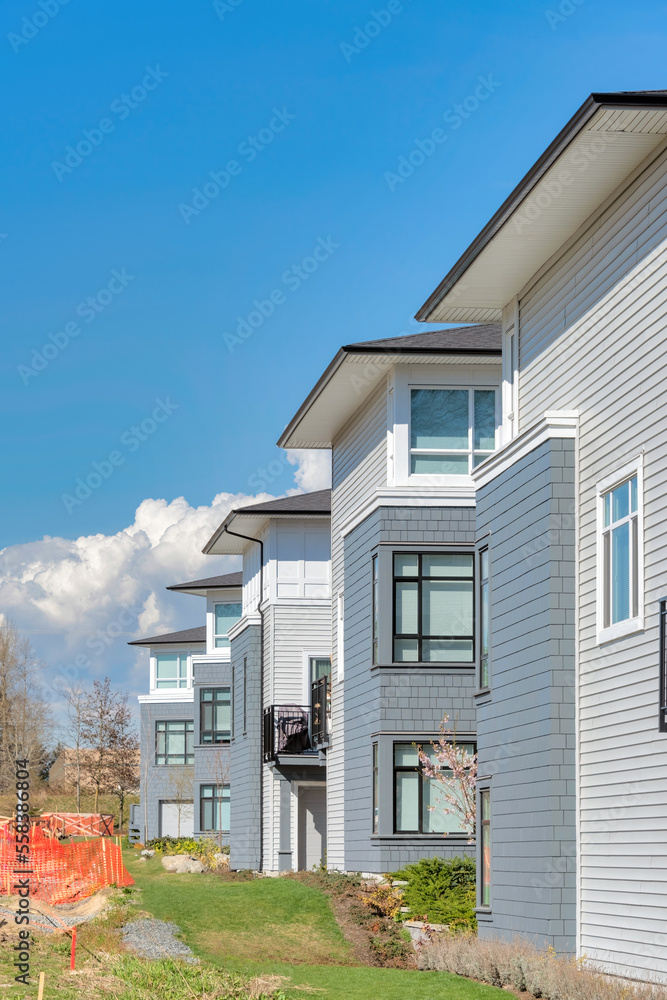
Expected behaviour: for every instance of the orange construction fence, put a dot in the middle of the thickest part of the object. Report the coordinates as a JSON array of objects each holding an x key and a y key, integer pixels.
[
  {"x": 62, "y": 824},
  {"x": 60, "y": 873}
]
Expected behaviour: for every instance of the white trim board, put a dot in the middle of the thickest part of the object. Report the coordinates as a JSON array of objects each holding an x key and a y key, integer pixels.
[{"x": 554, "y": 424}]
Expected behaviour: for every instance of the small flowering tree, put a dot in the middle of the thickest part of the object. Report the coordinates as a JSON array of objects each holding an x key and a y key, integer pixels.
[{"x": 455, "y": 771}]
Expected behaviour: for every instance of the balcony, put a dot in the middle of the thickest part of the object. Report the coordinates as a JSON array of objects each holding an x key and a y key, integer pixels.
[{"x": 298, "y": 729}]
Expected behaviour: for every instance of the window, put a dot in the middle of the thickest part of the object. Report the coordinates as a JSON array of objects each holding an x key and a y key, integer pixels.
[
  {"x": 485, "y": 828},
  {"x": 484, "y": 620},
  {"x": 375, "y": 601},
  {"x": 245, "y": 695},
  {"x": 214, "y": 808},
  {"x": 433, "y": 608},
  {"x": 171, "y": 670},
  {"x": 319, "y": 666},
  {"x": 418, "y": 802},
  {"x": 174, "y": 742},
  {"x": 376, "y": 788},
  {"x": 451, "y": 430},
  {"x": 215, "y": 715},
  {"x": 620, "y": 562},
  {"x": 225, "y": 616}
]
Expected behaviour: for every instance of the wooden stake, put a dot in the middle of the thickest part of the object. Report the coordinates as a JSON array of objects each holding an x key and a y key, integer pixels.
[{"x": 40, "y": 992}]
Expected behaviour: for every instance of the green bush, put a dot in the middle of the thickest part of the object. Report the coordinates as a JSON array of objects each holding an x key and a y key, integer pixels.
[
  {"x": 204, "y": 849},
  {"x": 442, "y": 892}
]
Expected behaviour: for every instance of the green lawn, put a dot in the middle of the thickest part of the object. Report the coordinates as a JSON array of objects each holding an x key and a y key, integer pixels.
[{"x": 281, "y": 926}]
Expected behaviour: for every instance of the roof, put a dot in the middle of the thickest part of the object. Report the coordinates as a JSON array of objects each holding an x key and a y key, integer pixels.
[
  {"x": 247, "y": 521},
  {"x": 197, "y": 634},
  {"x": 350, "y": 378},
  {"x": 482, "y": 339},
  {"x": 604, "y": 142},
  {"x": 201, "y": 587}
]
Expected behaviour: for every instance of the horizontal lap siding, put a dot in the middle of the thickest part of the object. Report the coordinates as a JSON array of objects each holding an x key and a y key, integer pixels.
[
  {"x": 592, "y": 338},
  {"x": 359, "y": 467},
  {"x": 526, "y": 730}
]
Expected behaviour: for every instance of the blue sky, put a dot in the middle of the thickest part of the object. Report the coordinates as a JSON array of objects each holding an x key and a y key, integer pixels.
[{"x": 303, "y": 113}]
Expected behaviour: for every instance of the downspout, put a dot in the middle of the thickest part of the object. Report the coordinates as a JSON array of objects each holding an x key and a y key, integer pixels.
[{"x": 261, "y": 680}]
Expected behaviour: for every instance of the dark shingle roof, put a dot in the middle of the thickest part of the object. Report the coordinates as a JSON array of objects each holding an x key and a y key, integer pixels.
[
  {"x": 318, "y": 502},
  {"x": 478, "y": 339},
  {"x": 211, "y": 582},
  {"x": 197, "y": 634}
]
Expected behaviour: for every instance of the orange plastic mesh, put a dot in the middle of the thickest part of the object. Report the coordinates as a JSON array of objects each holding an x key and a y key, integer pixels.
[{"x": 60, "y": 873}]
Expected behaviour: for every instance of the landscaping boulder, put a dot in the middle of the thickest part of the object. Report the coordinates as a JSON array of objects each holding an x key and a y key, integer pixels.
[
  {"x": 146, "y": 853},
  {"x": 182, "y": 864}
]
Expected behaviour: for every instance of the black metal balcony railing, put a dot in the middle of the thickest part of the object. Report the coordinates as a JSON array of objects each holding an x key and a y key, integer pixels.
[
  {"x": 320, "y": 708},
  {"x": 286, "y": 730}
]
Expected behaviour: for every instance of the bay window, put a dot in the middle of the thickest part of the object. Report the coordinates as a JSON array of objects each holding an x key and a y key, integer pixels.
[
  {"x": 451, "y": 430},
  {"x": 215, "y": 711},
  {"x": 418, "y": 801},
  {"x": 171, "y": 670},
  {"x": 433, "y": 607}
]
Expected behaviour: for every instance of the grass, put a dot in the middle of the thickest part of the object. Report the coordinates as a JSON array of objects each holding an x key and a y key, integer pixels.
[{"x": 282, "y": 927}]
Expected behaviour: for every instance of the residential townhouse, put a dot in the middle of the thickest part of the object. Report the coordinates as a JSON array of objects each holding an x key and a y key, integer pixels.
[
  {"x": 571, "y": 722},
  {"x": 499, "y": 561}
]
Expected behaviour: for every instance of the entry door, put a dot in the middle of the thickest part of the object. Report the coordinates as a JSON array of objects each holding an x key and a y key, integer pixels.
[
  {"x": 169, "y": 819},
  {"x": 312, "y": 826}
]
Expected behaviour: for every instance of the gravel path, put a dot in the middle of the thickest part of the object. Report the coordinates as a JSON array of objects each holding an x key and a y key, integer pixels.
[{"x": 156, "y": 939}]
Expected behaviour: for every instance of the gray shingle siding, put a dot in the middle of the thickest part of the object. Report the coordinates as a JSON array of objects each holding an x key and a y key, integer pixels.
[
  {"x": 384, "y": 702},
  {"x": 525, "y": 727},
  {"x": 246, "y": 753},
  {"x": 156, "y": 781}
]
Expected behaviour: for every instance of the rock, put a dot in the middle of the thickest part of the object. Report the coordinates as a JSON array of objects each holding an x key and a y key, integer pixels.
[
  {"x": 182, "y": 864},
  {"x": 147, "y": 853},
  {"x": 142, "y": 859}
]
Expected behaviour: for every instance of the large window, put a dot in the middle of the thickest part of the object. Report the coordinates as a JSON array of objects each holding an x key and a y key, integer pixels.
[
  {"x": 620, "y": 561},
  {"x": 485, "y": 837},
  {"x": 451, "y": 430},
  {"x": 214, "y": 808},
  {"x": 215, "y": 715},
  {"x": 174, "y": 742},
  {"x": 433, "y": 608},
  {"x": 418, "y": 801},
  {"x": 484, "y": 620},
  {"x": 171, "y": 670},
  {"x": 225, "y": 616}
]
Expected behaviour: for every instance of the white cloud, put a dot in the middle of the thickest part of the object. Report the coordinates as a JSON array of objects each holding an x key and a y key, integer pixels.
[
  {"x": 81, "y": 600},
  {"x": 313, "y": 468}
]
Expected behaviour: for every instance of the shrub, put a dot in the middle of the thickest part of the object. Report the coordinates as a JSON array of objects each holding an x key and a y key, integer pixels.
[
  {"x": 520, "y": 966},
  {"x": 205, "y": 849},
  {"x": 441, "y": 891},
  {"x": 384, "y": 901}
]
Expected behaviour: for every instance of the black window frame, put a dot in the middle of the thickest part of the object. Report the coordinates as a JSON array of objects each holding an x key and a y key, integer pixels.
[
  {"x": 484, "y": 588},
  {"x": 162, "y": 760},
  {"x": 420, "y": 637},
  {"x": 216, "y": 798},
  {"x": 375, "y": 609},
  {"x": 662, "y": 684},
  {"x": 214, "y": 690},
  {"x": 375, "y": 816},
  {"x": 245, "y": 695},
  {"x": 485, "y": 830},
  {"x": 420, "y": 808}
]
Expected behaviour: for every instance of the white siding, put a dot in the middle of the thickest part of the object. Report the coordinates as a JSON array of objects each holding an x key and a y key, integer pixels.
[
  {"x": 592, "y": 338},
  {"x": 359, "y": 467}
]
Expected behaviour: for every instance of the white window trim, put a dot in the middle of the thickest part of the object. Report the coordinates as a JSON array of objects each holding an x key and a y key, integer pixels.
[
  {"x": 180, "y": 651},
  {"x": 308, "y": 655},
  {"x": 405, "y": 381},
  {"x": 510, "y": 374},
  {"x": 629, "y": 626}
]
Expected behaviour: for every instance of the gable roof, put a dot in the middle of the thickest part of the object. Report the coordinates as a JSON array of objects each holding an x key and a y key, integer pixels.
[
  {"x": 606, "y": 140},
  {"x": 189, "y": 635},
  {"x": 247, "y": 521},
  {"x": 201, "y": 587},
  {"x": 351, "y": 376}
]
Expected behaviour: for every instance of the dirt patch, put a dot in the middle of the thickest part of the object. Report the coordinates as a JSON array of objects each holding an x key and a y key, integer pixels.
[{"x": 47, "y": 918}]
